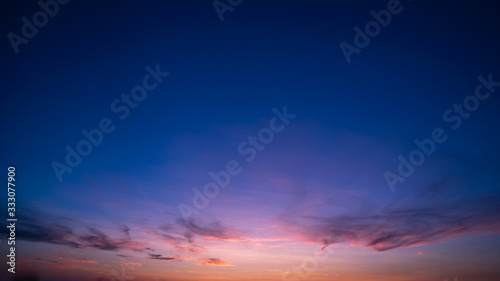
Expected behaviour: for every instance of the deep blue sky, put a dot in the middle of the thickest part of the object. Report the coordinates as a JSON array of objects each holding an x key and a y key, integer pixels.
[{"x": 225, "y": 79}]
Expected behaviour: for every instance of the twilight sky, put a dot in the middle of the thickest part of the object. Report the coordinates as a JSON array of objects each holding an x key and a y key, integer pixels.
[{"x": 252, "y": 140}]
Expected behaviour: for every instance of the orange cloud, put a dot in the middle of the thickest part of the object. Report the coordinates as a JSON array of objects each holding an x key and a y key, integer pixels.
[
  {"x": 213, "y": 261},
  {"x": 131, "y": 264}
]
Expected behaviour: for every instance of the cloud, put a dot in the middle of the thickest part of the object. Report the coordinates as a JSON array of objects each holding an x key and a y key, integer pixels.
[
  {"x": 79, "y": 260},
  {"x": 211, "y": 230},
  {"x": 447, "y": 216},
  {"x": 194, "y": 249},
  {"x": 123, "y": 228},
  {"x": 161, "y": 257},
  {"x": 32, "y": 260},
  {"x": 42, "y": 227},
  {"x": 213, "y": 261},
  {"x": 35, "y": 229},
  {"x": 99, "y": 240},
  {"x": 61, "y": 265},
  {"x": 249, "y": 239},
  {"x": 182, "y": 236},
  {"x": 174, "y": 236},
  {"x": 130, "y": 264}
]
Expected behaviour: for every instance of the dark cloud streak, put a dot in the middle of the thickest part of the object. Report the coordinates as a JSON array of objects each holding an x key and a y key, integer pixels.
[
  {"x": 42, "y": 227},
  {"x": 161, "y": 257},
  {"x": 410, "y": 224}
]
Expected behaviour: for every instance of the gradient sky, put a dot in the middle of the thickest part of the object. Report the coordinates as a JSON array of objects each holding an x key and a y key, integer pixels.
[{"x": 314, "y": 203}]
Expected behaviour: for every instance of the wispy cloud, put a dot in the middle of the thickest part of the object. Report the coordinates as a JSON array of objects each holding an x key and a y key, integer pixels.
[
  {"x": 213, "y": 261},
  {"x": 210, "y": 230},
  {"x": 177, "y": 238},
  {"x": 181, "y": 236},
  {"x": 409, "y": 224},
  {"x": 38, "y": 226},
  {"x": 31, "y": 260},
  {"x": 61, "y": 265},
  {"x": 161, "y": 257},
  {"x": 78, "y": 260}
]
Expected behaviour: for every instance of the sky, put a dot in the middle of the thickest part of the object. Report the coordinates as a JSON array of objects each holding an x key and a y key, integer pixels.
[{"x": 250, "y": 140}]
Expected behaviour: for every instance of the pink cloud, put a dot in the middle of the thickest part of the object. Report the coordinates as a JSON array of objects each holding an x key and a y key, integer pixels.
[{"x": 213, "y": 261}]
